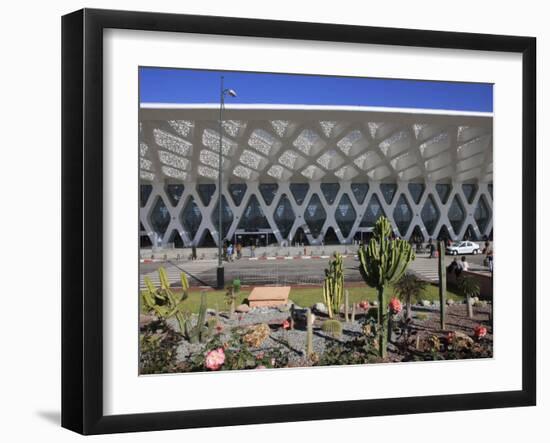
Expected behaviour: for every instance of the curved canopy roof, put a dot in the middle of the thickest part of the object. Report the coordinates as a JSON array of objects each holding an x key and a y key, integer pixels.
[{"x": 266, "y": 143}]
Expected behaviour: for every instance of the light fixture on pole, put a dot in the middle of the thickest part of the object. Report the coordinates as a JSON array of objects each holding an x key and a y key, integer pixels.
[{"x": 220, "y": 270}]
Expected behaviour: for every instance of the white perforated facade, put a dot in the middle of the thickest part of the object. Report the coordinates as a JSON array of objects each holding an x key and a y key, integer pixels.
[{"x": 313, "y": 174}]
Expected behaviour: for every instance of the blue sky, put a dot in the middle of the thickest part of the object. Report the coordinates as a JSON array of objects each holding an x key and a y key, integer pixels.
[{"x": 164, "y": 85}]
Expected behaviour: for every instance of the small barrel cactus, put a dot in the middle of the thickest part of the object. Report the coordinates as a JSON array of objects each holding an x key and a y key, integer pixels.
[{"x": 332, "y": 328}]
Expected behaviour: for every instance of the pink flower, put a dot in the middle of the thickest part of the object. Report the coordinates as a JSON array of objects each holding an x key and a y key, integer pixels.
[
  {"x": 395, "y": 305},
  {"x": 480, "y": 331},
  {"x": 364, "y": 304},
  {"x": 286, "y": 324},
  {"x": 215, "y": 359}
]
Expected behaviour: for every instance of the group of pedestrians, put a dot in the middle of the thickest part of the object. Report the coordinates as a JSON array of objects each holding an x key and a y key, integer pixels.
[
  {"x": 230, "y": 252},
  {"x": 457, "y": 267}
]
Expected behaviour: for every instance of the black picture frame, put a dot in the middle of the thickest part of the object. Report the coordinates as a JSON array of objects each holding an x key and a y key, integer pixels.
[{"x": 82, "y": 187}]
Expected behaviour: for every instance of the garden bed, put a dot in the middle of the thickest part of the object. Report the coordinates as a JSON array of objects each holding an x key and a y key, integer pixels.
[{"x": 280, "y": 345}]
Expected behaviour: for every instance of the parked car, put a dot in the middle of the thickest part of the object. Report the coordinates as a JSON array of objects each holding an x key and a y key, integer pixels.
[{"x": 463, "y": 247}]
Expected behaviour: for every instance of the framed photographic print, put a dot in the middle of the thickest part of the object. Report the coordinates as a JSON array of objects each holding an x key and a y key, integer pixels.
[{"x": 271, "y": 221}]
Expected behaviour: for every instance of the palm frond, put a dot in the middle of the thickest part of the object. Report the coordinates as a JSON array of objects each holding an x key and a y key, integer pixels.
[
  {"x": 409, "y": 285},
  {"x": 468, "y": 286}
]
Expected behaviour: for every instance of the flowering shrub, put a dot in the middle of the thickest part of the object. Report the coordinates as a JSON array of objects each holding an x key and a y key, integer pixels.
[
  {"x": 450, "y": 338},
  {"x": 480, "y": 331},
  {"x": 236, "y": 355},
  {"x": 455, "y": 345},
  {"x": 215, "y": 359},
  {"x": 433, "y": 347},
  {"x": 255, "y": 335},
  {"x": 395, "y": 305}
]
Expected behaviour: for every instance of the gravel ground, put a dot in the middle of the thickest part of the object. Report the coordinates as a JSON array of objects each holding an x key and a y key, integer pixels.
[
  {"x": 253, "y": 317},
  {"x": 292, "y": 340},
  {"x": 425, "y": 323}
]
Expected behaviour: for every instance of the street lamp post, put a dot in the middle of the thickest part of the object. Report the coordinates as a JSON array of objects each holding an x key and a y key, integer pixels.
[{"x": 220, "y": 270}]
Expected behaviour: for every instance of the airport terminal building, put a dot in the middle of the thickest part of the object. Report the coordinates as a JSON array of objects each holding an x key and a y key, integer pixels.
[{"x": 297, "y": 174}]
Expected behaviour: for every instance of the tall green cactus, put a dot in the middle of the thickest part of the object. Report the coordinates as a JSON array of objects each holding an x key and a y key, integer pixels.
[
  {"x": 383, "y": 262},
  {"x": 184, "y": 282},
  {"x": 200, "y": 331},
  {"x": 163, "y": 276},
  {"x": 309, "y": 335},
  {"x": 442, "y": 272},
  {"x": 346, "y": 305},
  {"x": 163, "y": 301},
  {"x": 333, "y": 287}
]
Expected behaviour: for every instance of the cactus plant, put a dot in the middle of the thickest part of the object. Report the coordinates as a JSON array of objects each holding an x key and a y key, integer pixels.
[
  {"x": 163, "y": 301},
  {"x": 346, "y": 305},
  {"x": 442, "y": 271},
  {"x": 309, "y": 336},
  {"x": 383, "y": 262},
  {"x": 333, "y": 287},
  {"x": 163, "y": 277},
  {"x": 184, "y": 281},
  {"x": 231, "y": 292},
  {"x": 332, "y": 327},
  {"x": 200, "y": 331},
  {"x": 237, "y": 285}
]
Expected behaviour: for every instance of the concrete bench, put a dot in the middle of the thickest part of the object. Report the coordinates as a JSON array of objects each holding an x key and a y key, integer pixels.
[{"x": 268, "y": 296}]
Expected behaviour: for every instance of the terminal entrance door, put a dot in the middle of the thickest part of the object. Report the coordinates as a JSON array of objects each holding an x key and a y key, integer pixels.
[
  {"x": 247, "y": 238},
  {"x": 300, "y": 237},
  {"x": 363, "y": 235},
  {"x": 330, "y": 237}
]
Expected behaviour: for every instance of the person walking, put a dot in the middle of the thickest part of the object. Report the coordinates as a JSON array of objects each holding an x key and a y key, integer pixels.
[
  {"x": 230, "y": 252},
  {"x": 431, "y": 247},
  {"x": 454, "y": 268},
  {"x": 488, "y": 251},
  {"x": 418, "y": 243}
]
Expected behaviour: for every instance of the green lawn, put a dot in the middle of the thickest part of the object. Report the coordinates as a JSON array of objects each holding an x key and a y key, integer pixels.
[{"x": 305, "y": 296}]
